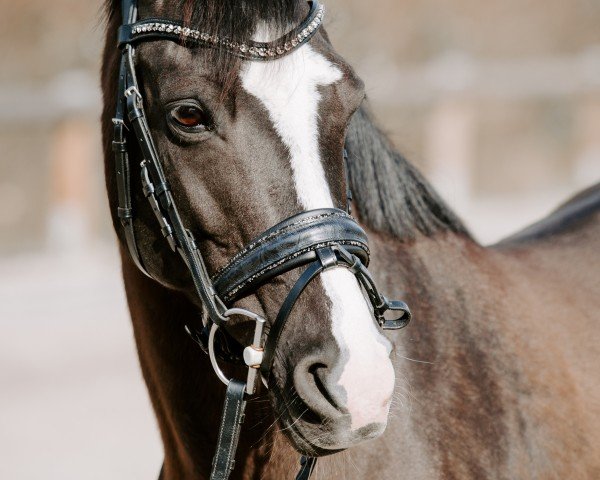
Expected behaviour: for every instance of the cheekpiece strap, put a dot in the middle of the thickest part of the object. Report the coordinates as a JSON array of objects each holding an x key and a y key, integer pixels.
[
  {"x": 161, "y": 29},
  {"x": 229, "y": 432},
  {"x": 307, "y": 466}
]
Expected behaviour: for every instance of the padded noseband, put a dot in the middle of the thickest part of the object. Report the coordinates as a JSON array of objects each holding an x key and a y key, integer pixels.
[{"x": 288, "y": 245}]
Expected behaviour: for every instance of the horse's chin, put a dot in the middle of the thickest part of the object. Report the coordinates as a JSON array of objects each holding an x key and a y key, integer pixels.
[{"x": 326, "y": 437}]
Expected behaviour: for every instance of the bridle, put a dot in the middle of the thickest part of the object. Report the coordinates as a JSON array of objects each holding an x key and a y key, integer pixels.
[{"x": 317, "y": 239}]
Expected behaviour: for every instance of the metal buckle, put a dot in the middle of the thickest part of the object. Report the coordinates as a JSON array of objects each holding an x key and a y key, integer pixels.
[
  {"x": 133, "y": 90},
  {"x": 253, "y": 354},
  {"x": 393, "y": 306}
]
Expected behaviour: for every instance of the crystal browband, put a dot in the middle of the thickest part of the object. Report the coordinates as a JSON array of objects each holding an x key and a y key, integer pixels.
[{"x": 249, "y": 50}]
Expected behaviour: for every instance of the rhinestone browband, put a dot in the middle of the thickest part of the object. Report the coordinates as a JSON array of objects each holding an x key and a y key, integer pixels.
[{"x": 250, "y": 50}]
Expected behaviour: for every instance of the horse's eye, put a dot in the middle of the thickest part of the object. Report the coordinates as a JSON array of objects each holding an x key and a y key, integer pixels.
[{"x": 190, "y": 116}]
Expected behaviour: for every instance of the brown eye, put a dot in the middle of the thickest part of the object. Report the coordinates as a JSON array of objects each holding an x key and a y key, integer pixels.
[{"x": 190, "y": 116}]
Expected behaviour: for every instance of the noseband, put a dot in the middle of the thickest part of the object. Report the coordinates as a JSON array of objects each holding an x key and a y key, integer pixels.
[{"x": 315, "y": 240}]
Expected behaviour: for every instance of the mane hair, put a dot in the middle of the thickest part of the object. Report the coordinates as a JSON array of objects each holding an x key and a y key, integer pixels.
[{"x": 390, "y": 194}]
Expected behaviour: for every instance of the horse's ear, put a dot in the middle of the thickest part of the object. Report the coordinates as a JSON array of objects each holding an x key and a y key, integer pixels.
[{"x": 389, "y": 193}]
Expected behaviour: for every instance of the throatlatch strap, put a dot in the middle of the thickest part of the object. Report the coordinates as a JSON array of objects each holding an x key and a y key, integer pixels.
[{"x": 229, "y": 432}]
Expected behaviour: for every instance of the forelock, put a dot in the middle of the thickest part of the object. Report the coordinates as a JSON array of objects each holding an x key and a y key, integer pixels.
[{"x": 236, "y": 20}]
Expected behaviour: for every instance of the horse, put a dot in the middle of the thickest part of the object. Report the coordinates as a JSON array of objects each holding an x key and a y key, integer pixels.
[{"x": 497, "y": 375}]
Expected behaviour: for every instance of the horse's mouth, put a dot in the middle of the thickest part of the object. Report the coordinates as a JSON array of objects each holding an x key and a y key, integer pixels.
[
  {"x": 318, "y": 437},
  {"x": 294, "y": 418}
]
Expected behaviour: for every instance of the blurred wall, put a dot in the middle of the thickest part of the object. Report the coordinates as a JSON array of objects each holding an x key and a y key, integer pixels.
[
  {"x": 498, "y": 102},
  {"x": 51, "y": 187}
]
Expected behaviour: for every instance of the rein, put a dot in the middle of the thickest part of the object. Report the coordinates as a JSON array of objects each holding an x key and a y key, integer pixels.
[{"x": 317, "y": 239}]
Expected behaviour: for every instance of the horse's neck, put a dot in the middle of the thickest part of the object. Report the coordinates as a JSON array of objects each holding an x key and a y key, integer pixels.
[
  {"x": 473, "y": 368},
  {"x": 186, "y": 395},
  {"x": 460, "y": 301},
  {"x": 455, "y": 371}
]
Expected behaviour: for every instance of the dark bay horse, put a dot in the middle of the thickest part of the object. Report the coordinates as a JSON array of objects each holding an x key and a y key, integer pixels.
[{"x": 497, "y": 376}]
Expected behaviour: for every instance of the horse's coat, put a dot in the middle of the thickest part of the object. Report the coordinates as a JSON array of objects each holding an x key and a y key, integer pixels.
[{"x": 505, "y": 338}]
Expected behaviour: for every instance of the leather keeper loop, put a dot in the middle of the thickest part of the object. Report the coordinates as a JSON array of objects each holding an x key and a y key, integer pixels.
[
  {"x": 119, "y": 147},
  {"x": 124, "y": 35},
  {"x": 148, "y": 190},
  {"x": 161, "y": 188},
  {"x": 124, "y": 213}
]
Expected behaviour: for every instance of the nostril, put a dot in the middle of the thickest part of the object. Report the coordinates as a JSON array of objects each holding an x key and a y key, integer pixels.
[
  {"x": 319, "y": 372},
  {"x": 315, "y": 385},
  {"x": 317, "y": 388},
  {"x": 342, "y": 391}
]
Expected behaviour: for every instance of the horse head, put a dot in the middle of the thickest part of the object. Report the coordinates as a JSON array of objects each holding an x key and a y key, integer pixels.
[{"x": 245, "y": 144}]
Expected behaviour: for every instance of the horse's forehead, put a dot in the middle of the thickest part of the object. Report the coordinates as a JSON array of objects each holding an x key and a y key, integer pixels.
[
  {"x": 290, "y": 76},
  {"x": 289, "y": 90}
]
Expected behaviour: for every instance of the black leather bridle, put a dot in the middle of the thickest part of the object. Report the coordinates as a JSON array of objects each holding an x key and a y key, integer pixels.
[{"x": 316, "y": 239}]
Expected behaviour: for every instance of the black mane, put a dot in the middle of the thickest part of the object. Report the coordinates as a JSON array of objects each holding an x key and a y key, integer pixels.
[
  {"x": 391, "y": 195},
  {"x": 236, "y": 19}
]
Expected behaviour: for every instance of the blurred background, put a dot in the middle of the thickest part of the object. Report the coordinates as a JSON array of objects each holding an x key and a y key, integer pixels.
[{"x": 497, "y": 102}]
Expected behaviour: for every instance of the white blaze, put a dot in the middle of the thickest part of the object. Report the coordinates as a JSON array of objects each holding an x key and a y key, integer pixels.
[{"x": 288, "y": 89}]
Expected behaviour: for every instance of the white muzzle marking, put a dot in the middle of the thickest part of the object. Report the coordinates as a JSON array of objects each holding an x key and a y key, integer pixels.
[{"x": 287, "y": 88}]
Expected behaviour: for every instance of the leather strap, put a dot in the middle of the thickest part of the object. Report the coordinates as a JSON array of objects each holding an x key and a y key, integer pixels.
[
  {"x": 288, "y": 245},
  {"x": 329, "y": 257},
  {"x": 125, "y": 209},
  {"x": 307, "y": 466},
  {"x": 119, "y": 146},
  {"x": 286, "y": 308},
  {"x": 229, "y": 432},
  {"x": 165, "y": 29},
  {"x": 158, "y": 193}
]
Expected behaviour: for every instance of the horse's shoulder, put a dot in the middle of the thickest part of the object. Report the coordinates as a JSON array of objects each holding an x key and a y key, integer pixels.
[{"x": 578, "y": 214}]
